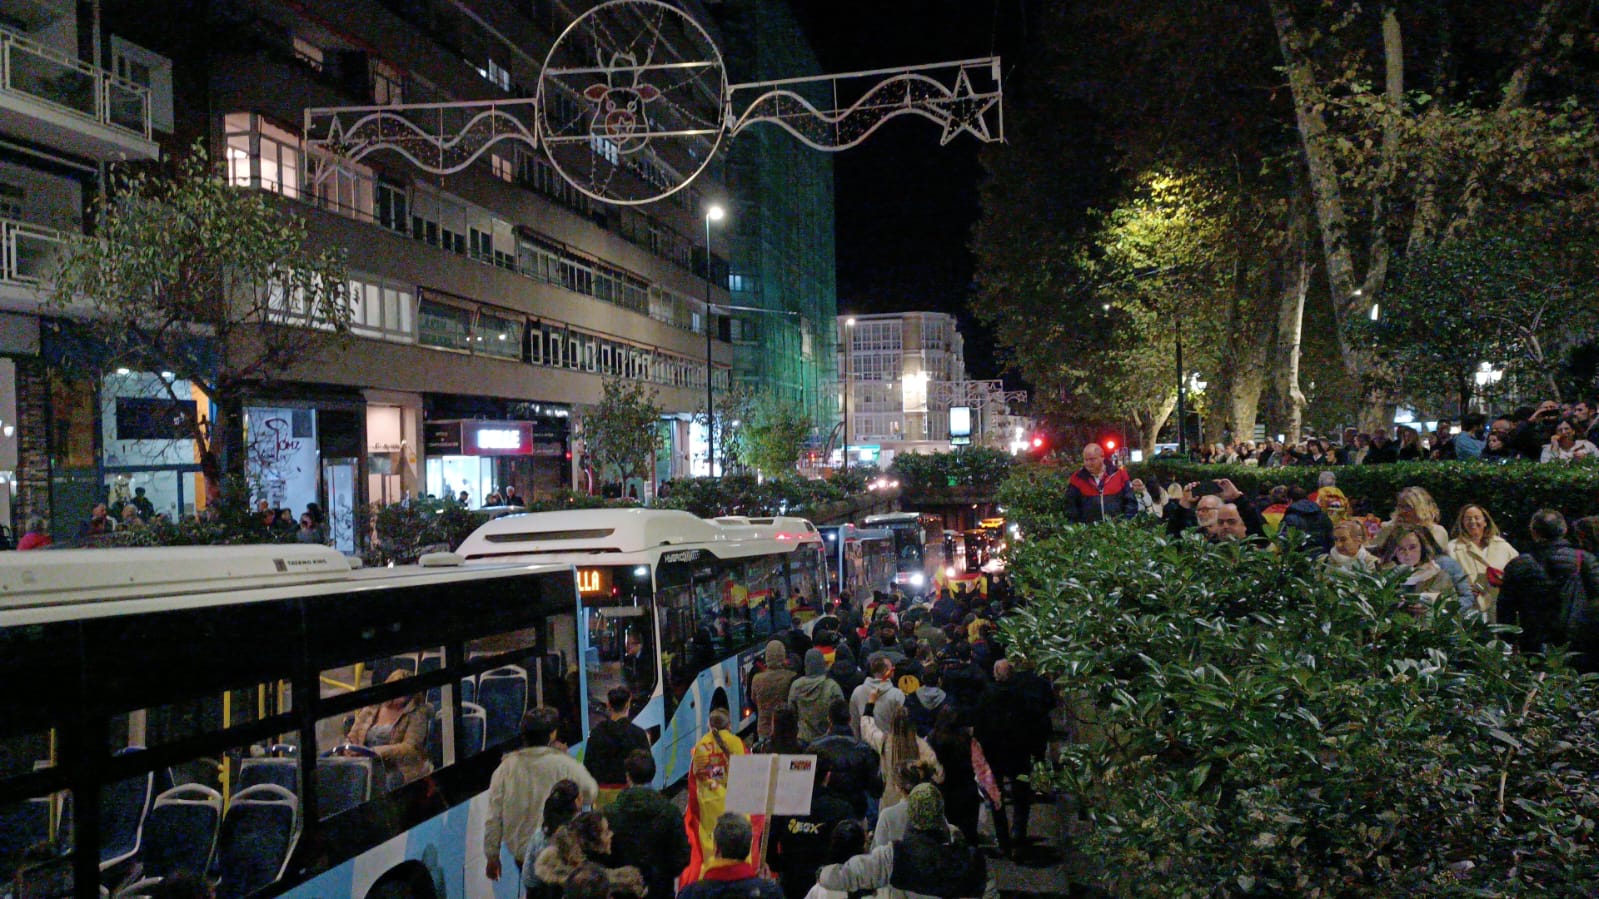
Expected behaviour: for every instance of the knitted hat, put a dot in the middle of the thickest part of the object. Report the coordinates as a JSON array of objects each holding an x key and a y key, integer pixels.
[{"x": 925, "y": 811}]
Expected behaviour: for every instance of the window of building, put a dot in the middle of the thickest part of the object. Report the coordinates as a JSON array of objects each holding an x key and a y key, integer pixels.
[
  {"x": 502, "y": 167},
  {"x": 388, "y": 84},
  {"x": 308, "y": 53},
  {"x": 496, "y": 74},
  {"x": 381, "y": 310},
  {"x": 392, "y": 206}
]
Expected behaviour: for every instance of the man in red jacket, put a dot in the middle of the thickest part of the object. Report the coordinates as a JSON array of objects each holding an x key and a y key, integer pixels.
[{"x": 1097, "y": 492}]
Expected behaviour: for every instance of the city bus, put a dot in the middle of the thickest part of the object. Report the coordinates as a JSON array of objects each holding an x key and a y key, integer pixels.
[
  {"x": 675, "y": 607},
  {"x": 859, "y": 560},
  {"x": 191, "y": 709},
  {"x": 910, "y": 539}
]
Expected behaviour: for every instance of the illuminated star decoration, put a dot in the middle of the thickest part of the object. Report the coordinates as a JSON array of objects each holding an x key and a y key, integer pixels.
[{"x": 964, "y": 110}]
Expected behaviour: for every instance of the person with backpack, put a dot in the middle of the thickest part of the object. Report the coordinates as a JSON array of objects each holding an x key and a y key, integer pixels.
[
  {"x": 931, "y": 860},
  {"x": 1552, "y": 592}
]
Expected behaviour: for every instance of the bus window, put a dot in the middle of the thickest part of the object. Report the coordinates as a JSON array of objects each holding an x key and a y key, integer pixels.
[
  {"x": 621, "y": 653},
  {"x": 36, "y": 831},
  {"x": 711, "y": 623},
  {"x": 392, "y": 735},
  {"x": 768, "y": 598},
  {"x": 676, "y": 612},
  {"x": 199, "y": 715}
]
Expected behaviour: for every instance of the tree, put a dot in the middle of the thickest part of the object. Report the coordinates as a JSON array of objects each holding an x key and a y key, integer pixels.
[
  {"x": 771, "y": 437},
  {"x": 1516, "y": 297},
  {"x": 189, "y": 275},
  {"x": 1406, "y": 146},
  {"x": 622, "y": 433}
]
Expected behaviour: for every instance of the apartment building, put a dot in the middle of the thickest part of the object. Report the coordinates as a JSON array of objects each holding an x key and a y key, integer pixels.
[
  {"x": 488, "y": 306},
  {"x": 900, "y": 375},
  {"x": 74, "y": 97}
]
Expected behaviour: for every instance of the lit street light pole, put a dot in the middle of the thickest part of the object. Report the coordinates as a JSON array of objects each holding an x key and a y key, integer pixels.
[{"x": 713, "y": 213}]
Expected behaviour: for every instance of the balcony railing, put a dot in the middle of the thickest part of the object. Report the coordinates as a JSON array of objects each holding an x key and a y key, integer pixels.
[
  {"x": 73, "y": 86},
  {"x": 30, "y": 254}
]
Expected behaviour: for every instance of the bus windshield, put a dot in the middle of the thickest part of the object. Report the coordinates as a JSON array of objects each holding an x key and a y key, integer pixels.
[{"x": 907, "y": 544}]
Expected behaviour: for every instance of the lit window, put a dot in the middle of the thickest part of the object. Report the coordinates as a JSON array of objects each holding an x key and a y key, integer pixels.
[
  {"x": 502, "y": 167},
  {"x": 308, "y": 53}
]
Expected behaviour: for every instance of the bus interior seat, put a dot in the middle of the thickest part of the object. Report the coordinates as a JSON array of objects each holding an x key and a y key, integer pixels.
[
  {"x": 23, "y": 825},
  {"x": 180, "y": 833},
  {"x": 282, "y": 772},
  {"x": 502, "y": 693},
  {"x": 123, "y": 806},
  {"x": 469, "y": 689},
  {"x": 474, "y": 729},
  {"x": 256, "y": 836},
  {"x": 436, "y": 738},
  {"x": 343, "y": 783}
]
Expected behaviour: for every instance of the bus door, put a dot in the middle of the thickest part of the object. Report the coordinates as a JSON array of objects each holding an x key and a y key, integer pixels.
[{"x": 617, "y": 640}]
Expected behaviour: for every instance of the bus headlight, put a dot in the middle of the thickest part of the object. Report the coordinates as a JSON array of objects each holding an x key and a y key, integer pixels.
[{"x": 918, "y": 579}]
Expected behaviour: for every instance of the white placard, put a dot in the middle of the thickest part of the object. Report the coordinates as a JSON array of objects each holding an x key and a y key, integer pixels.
[{"x": 766, "y": 784}]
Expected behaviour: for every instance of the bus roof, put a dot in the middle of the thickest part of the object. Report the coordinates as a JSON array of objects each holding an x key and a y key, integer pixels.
[
  {"x": 851, "y": 532},
  {"x": 894, "y": 518},
  {"x": 51, "y": 585},
  {"x": 615, "y": 531}
]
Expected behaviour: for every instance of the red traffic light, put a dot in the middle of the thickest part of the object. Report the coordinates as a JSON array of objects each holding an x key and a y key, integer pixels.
[
  {"x": 1110, "y": 445},
  {"x": 1038, "y": 442}
]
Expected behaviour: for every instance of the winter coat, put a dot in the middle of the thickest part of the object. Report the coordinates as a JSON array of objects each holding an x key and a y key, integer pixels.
[
  {"x": 405, "y": 755},
  {"x": 1531, "y": 598},
  {"x": 647, "y": 832},
  {"x": 877, "y": 738},
  {"x": 1362, "y": 561},
  {"x": 517, "y": 792},
  {"x": 608, "y": 746},
  {"x": 740, "y": 880},
  {"x": 769, "y": 689},
  {"x": 912, "y": 868},
  {"x": 844, "y": 671},
  {"x": 1476, "y": 560},
  {"x": 812, "y": 695},
  {"x": 1090, "y": 500},
  {"x": 923, "y": 707},
  {"x": 798, "y": 844},
  {"x": 856, "y": 769},
  {"x": 564, "y": 855},
  {"x": 1307, "y": 518}
]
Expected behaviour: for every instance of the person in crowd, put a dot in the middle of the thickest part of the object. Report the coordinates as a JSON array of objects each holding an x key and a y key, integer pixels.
[
  {"x": 890, "y": 822},
  {"x": 769, "y": 688},
  {"x": 310, "y": 531},
  {"x": 510, "y": 497},
  {"x": 847, "y": 840},
  {"x": 707, "y": 791},
  {"x": 1496, "y": 448},
  {"x": 1549, "y": 590},
  {"x": 36, "y": 536},
  {"x": 1534, "y": 427},
  {"x": 647, "y": 828},
  {"x": 1413, "y": 506},
  {"x": 98, "y": 524},
  {"x": 951, "y": 740},
  {"x": 1565, "y": 445},
  {"x": 924, "y": 705},
  {"x": 493, "y": 499},
  {"x": 894, "y": 744},
  {"x": 928, "y": 861},
  {"x": 1413, "y": 552},
  {"x": 586, "y": 840},
  {"x": 729, "y": 873},
  {"x": 1442, "y": 442},
  {"x": 798, "y": 844},
  {"x": 142, "y": 503},
  {"x": 879, "y": 689},
  {"x": 856, "y": 768},
  {"x": 1410, "y": 449},
  {"x": 1097, "y": 492},
  {"x": 785, "y": 733},
  {"x": 610, "y": 743},
  {"x": 812, "y": 694},
  {"x": 397, "y": 732},
  {"x": 844, "y": 671},
  {"x": 1230, "y": 527},
  {"x": 1472, "y": 439},
  {"x": 522, "y": 782},
  {"x": 1349, "y": 551},
  {"x": 560, "y": 807},
  {"x": 589, "y": 881},
  {"x": 1151, "y": 503},
  {"x": 1013, "y": 726},
  {"x": 1384, "y": 450},
  {"x": 1305, "y": 522},
  {"x": 1483, "y": 553}
]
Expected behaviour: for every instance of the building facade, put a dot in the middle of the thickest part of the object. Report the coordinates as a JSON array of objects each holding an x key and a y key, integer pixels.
[
  {"x": 900, "y": 376},
  {"x": 488, "y": 307}
]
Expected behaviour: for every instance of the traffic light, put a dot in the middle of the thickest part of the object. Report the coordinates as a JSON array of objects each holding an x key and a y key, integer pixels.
[
  {"x": 1110, "y": 446},
  {"x": 1038, "y": 442}
]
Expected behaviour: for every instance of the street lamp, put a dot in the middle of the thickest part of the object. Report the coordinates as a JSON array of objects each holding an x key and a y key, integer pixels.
[
  {"x": 849, "y": 354},
  {"x": 713, "y": 213}
]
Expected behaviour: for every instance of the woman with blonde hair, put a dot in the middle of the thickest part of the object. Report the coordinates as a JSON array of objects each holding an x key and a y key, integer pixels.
[
  {"x": 1483, "y": 553},
  {"x": 897, "y": 744},
  {"x": 396, "y": 732},
  {"x": 1414, "y": 506},
  {"x": 707, "y": 790}
]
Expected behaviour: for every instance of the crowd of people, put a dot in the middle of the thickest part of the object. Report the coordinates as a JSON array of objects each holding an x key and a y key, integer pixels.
[
  {"x": 916, "y": 719},
  {"x": 1550, "y": 590},
  {"x": 1548, "y": 432}
]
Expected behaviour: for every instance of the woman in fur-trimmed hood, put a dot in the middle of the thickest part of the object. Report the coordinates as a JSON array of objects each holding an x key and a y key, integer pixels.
[{"x": 586, "y": 839}]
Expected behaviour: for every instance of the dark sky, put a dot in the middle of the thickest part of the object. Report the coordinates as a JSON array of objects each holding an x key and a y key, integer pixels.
[{"x": 905, "y": 205}]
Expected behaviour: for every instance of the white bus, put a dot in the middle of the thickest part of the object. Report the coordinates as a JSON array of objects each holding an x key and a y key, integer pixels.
[
  {"x": 675, "y": 607},
  {"x": 190, "y": 709}
]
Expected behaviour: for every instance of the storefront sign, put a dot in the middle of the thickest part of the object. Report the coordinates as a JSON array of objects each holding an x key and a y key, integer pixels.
[
  {"x": 497, "y": 438},
  {"x": 442, "y": 438}
]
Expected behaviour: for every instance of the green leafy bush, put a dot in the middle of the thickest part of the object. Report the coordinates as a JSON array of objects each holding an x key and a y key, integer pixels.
[
  {"x": 744, "y": 495},
  {"x": 1248, "y": 726},
  {"x": 401, "y": 534},
  {"x": 1510, "y": 492},
  {"x": 972, "y": 466}
]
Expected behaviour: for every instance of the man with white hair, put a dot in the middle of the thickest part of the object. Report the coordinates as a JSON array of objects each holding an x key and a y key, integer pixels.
[{"x": 1097, "y": 492}]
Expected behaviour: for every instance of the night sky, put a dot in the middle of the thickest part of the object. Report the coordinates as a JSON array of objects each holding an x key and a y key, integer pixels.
[{"x": 905, "y": 205}]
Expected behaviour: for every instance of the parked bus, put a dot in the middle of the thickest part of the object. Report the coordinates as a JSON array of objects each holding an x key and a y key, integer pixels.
[
  {"x": 191, "y": 710},
  {"x": 700, "y": 598},
  {"x": 859, "y": 560},
  {"x": 910, "y": 554}
]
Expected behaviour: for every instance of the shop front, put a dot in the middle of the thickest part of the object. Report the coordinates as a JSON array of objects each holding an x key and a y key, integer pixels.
[
  {"x": 299, "y": 452},
  {"x": 479, "y": 458}
]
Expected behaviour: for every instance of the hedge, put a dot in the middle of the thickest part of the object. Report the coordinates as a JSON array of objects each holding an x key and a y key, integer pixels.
[
  {"x": 1250, "y": 726},
  {"x": 1510, "y": 492},
  {"x": 973, "y": 466}
]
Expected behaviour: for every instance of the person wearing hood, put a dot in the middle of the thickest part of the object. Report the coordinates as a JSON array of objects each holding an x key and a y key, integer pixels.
[
  {"x": 812, "y": 694},
  {"x": 844, "y": 671},
  {"x": 1306, "y": 519},
  {"x": 880, "y": 685},
  {"x": 929, "y": 861},
  {"x": 586, "y": 839},
  {"x": 855, "y": 766},
  {"x": 769, "y": 689},
  {"x": 648, "y": 828},
  {"x": 924, "y": 705},
  {"x": 798, "y": 844}
]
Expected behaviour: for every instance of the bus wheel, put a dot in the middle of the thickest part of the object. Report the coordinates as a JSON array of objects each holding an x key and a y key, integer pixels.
[{"x": 410, "y": 881}]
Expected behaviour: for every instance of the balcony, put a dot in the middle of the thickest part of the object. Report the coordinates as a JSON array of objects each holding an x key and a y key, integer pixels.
[
  {"x": 29, "y": 255},
  {"x": 70, "y": 105}
]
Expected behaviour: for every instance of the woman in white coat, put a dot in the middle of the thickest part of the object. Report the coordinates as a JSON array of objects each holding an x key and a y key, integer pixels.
[{"x": 1483, "y": 553}]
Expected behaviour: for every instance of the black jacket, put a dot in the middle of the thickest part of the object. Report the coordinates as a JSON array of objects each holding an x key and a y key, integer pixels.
[
  {"x": 609, "y": 744},
  {"x": 856, "y": 769},
  {"x": 1531, "y": 597},
  {"x": 648, "y": 833},
  {"x": 798, "y": 846}
]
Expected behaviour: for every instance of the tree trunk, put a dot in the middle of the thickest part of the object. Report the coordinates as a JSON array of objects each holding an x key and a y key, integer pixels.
[
  {"x": 1243, "y": 401},
  {"x": 1290, "y": 323},
  {"x": 1149, "y": 425}
]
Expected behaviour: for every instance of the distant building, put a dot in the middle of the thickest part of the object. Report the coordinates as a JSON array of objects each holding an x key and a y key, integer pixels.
[{"x": 901, "y": 375}]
